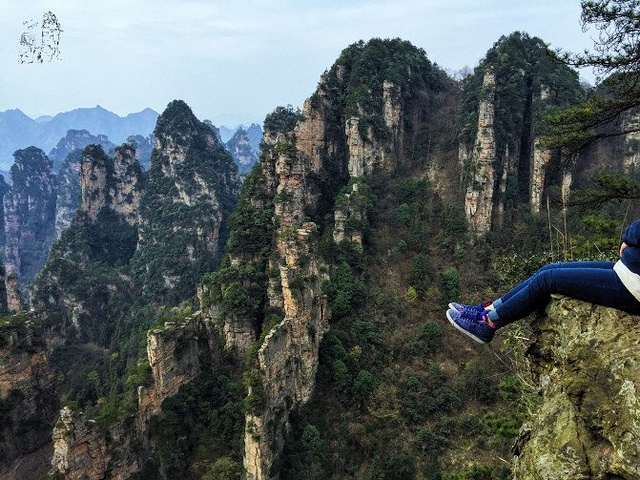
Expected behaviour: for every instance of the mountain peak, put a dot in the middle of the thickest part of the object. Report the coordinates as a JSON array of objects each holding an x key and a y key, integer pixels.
[
  {"x": 177, "y": 120},
  {"x": 14, "y": 110},
  {"x": 15, "y": 113}
]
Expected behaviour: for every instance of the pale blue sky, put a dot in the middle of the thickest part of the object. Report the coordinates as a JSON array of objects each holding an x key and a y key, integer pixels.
[{"x": 236, "y": 60}]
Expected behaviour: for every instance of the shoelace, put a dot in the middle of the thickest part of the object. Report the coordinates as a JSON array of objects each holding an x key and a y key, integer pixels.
[{"x": 473, "y": 315}]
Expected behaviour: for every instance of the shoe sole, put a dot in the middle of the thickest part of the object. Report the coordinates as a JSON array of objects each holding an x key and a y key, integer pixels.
[{"x": 468, "y": 334}]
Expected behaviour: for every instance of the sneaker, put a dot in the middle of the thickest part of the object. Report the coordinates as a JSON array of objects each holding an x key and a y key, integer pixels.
[
  {"x": 468, "y": 308},
  {"x": 472, "y": 324}
]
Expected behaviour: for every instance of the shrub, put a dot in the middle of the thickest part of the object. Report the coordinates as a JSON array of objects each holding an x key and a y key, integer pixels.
[
  {"x": 421, "y": 273},
  {"x": 282, "y": 119},
  {"x": 449, "y": 285},
  {"x": 412, "y": 294},
  {"x": 431, "y": 336},
  {"x": 224, "y": 468},
  {"x": 403, "y": 214},
  {"x": 363, "y": 387}
]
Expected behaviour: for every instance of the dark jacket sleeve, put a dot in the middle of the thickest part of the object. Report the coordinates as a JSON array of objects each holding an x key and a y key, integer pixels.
[{"x": 632, "y": 234}]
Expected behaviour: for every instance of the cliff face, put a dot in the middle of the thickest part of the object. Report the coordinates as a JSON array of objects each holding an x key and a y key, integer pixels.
[
  {"x": 29, "y": 214},
  {"x": 117, "y": 182},
  {"x": 366, "y": 151},
  {"x": 80, "y": 448},
  {"x": 83, "y": 450},
  {"x": 191, "y": 190},
  {"x": 271, "y": 288},
  {"x": 504, "y": 166},
  {"x": 288, "y": 358},
  {"x": 4, "y": 188},
  {"x": 584, "y": 358},
  {"x": 114, "y": 184},
  {"x": 174, "y": 354},
  {"x": 66, "y": 158},
  {"x": 27, "y": 398},
  {"x": 479, "y": 196}
]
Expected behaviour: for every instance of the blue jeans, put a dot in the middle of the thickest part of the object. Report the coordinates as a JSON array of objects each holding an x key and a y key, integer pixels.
[{"x": 594, "y": 282}]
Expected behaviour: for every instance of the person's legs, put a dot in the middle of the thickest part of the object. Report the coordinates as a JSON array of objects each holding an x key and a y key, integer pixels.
[
  {"x": 593, "y": 283},
  {"x": 551, "y": 266}
]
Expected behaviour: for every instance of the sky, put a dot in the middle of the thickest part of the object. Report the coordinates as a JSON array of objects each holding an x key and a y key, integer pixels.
[{"x": 235, "y": 61}]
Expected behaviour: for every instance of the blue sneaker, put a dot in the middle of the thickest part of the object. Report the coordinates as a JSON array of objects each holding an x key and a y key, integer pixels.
[
  {"x": 472, "y": 324},
  {"x": 460, "y": 307}
]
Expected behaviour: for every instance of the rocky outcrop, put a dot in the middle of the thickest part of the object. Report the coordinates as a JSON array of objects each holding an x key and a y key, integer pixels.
[
  {"x": 584, "y": 358},
  {"x": 173, "y": 357},
  {"x": 504, "y": 163},
  {"x": 349, "y": 216},
  {"x": 284, "y": 375},
  {"x": 541, "y": 160},
  {"x": 29, "y": 214},
  {"x": 123, "y": 174},
  {"x": 174, "y": 353},
  {"x": 83, "y": 450},
  {"x": 191, "y": 190},
  {"x": 68, "y": 194},
  {"x": 80, "y": 448},
  {"x": 478, "y": 201},
  {"x": 4, "y": 188},
  {"x": 630, "y": 122},
  {"x": 88, "y": 288},
  {"x": 27, "y": 399},
  {"x": 283, "y": 370},
  {"x": 367, "y": 152},
  {"x": 113, "y": 184},
  {"x": 14, "y": 298},
  {"x": 94, "y": 170},
  {"x": 242, "y": 151},
  {"x": 102, "y": 234}
]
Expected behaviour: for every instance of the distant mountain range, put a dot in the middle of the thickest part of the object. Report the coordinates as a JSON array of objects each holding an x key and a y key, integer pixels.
[
  {"x": 18, "y": 131},
  {"x": 60, "y": 134}
]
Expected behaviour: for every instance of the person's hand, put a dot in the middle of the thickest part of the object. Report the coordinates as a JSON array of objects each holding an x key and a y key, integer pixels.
[{"x": 622, "y": 247}]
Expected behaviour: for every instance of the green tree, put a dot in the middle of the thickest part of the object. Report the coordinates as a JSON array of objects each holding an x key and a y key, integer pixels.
[
  {"x": 616, "y": 58},
  {"x": 450, "y": 285},
  {"x": 606, "y": 187},
  {"x": 224, "y": 469},
  {"x": 616, "y": 49},
  {"x": 312, "y": 444}
]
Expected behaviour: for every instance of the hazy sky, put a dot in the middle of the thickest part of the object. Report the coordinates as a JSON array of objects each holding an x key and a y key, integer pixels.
[{"x": 236, "y": 60}]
